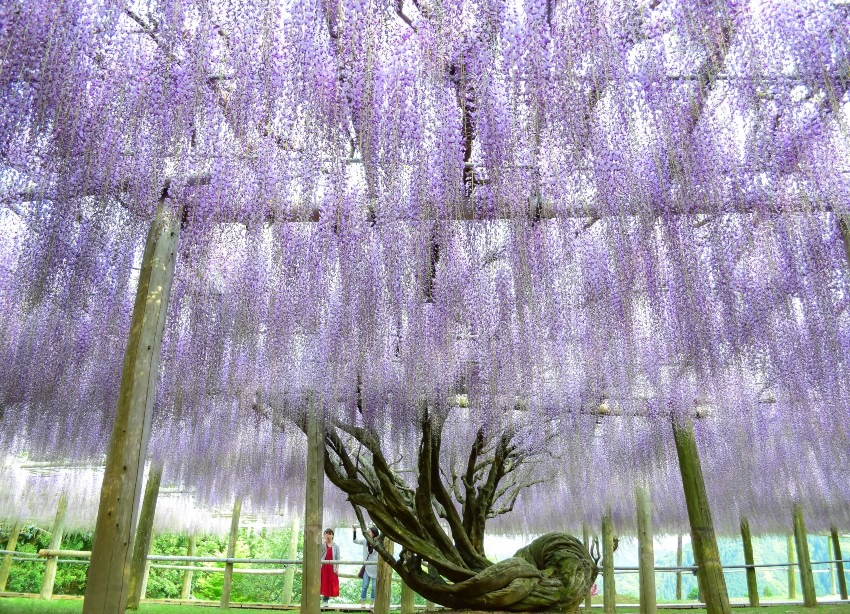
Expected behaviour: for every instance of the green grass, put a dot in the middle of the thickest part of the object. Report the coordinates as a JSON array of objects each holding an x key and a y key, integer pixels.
[
  {"x": 14, "y": 605},
  {"x": 774, "y": 609}
]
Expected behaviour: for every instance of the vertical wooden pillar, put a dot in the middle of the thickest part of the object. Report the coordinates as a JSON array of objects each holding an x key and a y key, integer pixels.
[
  {"x": 839, "y": 566},
  {"x": 291, "y": 554},
  {"x": 831, "y": 567},
  {"x": 384, "y": 582},
  {"x": 585, "y": 536},
  {"x": 310, "y": 577},
  {"x": 141, "y": 547},
  {"x": 6, "y": 565},
  {"x": 231, "y": 552},
  {"x": 609, "y": 596},
  {"x": 703, "y": 538},
  {"x": 807, "y": 580},
  {"x": 109, "y": 570},
  {"x": 55, "y": 544},
  {"x": 186, "y": 591},
  {"x": 646, "y": 552},
  {"x": 749, "y": 559},
  {"x": 679, "y": 564},
  {"x": 792, "y": 568},
  {"x": 407, "y": 595},
  {"x": 144, "y": 588}
]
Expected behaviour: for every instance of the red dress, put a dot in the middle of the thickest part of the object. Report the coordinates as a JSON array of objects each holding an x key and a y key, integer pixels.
[{"x": 330, "y": 581}]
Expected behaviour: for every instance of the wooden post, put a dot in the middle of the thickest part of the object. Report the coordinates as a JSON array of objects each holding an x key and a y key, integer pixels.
[
  {"x": 807, "y": 580},
  {"x": 703, "y": 539},
  {"x": 139, "y": 566},
  {"x": 55, "y": 544},
  {"x": 144, "y": 588},
  {"x": 679, "y": 564},
  {"x": 310, "y": 577},
  {"x": 407, "y": 595},
  {"x": 6, "y": 565},
  {"x": 609, "y": 595},
  {"x": 646, "y": 553},
  {"x": 186, "y": 591},
  {"x": 749, "y": 559},
  {"x": 585, "y": 536},
  {"x": 839, "y": 566},
  {"x": 291, "y": 554},
  {"x": 231, "y": 552},
  {"x": 384, "y": 582},
  {"x": 792, "y": 571},
  {"x": 109, "y": 570},
  {"x": 831, "y": 567}
]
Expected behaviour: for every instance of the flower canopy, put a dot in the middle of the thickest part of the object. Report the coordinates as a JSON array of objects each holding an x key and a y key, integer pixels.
[{"x": 582, "y": 218}]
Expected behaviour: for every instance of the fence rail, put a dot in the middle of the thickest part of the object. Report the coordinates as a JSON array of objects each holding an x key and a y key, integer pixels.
[{"x": 190, "y": 563}]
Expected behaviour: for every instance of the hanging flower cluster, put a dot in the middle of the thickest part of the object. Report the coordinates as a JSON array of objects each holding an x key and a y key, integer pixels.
[{"x": 585, "y": 218}]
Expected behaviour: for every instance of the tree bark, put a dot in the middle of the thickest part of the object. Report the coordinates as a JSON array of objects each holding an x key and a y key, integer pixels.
[
  {"x": 109, "y": 570},
  {"x": 142, "y": 544},
  {"x": 554, "y": 571},
  {"x": 6, "y": 565},
  {"x": 703, "y": 539},
  {"x": 609, "y": 595},
  {"x": 839, "y": 566},
  {"x": 749, "y": 559},
  {"x": 807, "y": 580},
  {"x": 55, "y": 544},
  {"x": 646, "y": 553}
]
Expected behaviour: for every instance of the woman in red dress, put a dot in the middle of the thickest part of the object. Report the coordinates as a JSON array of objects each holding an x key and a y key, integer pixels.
[{"x": 330, "y": 580}]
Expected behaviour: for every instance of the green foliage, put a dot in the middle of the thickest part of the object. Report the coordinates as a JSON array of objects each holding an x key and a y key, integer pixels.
[
  {"x": 693, "y": 594},
  {"x": 767, "y": 592},
  {"x": 27, "y": 576}
]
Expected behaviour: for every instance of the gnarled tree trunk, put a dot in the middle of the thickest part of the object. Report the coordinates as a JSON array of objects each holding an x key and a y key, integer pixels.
[{"x": 555, "y": 571}]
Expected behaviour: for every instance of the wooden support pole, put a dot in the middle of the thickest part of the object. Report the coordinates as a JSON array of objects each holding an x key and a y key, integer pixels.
[
  {"x": 291, "y": 554},
  {"x": 310, "y": 577},
  {"x": 609, "y": 595},
  {"x": 383, "y": 583},
  {"x": 792, "y": 570},
  {"x": 679, "y": 564},
  {"x": 839, "y": 566},
  {"x": 807, "y": 580},
  {"x": 186, "y": 590},
  {"x": 703, "y": 538},
  {"x": 55, "y": 544},
  {"x": 646, "y": 553},
  {"x": 585, "y": 536},
  {"x": 145, "y": 576},
  {"x": 831, "y": 567},
  {"x": 139, "y": 567},
  {"x": 749, "y": 559},
  {"x": 109, "y": 570},
  {"x": 6, "y": 565},
  {"x": 231, "y": 552},
  {"x": 407, "y": 597}
]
